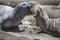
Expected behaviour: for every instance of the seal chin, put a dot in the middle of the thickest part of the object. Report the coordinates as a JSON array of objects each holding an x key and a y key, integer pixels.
[{"x": 32, "y": 12}]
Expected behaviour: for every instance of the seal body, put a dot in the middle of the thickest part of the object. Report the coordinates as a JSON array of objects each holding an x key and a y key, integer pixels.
[
  {"x": 50, "y": 26},
  {"x": 5, "y": 12},
  {"x": 15, "y": 16}
]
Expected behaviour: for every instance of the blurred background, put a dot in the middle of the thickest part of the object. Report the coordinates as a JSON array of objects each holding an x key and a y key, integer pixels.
[{"x": 15, "y": 2}]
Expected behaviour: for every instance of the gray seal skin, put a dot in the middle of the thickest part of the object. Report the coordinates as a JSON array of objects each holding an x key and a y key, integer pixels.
[
  {"x": 49, "y": 26},
  {"x": 13, "y": 18},
  {"x": 5, "y": 12}
]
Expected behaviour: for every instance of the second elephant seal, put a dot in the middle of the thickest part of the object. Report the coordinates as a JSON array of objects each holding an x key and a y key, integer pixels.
[{"x": 49, "y": 26}]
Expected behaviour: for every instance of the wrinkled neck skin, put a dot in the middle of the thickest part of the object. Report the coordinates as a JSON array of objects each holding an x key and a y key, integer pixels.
[
  {"x": 41, "y": 18},
  {"x": 50, "y": 26}
]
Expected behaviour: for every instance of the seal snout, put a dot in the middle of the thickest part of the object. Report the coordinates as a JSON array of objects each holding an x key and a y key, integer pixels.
[
  {"x": 29, "y": 6},
  {"x": 26, "y": 5}
]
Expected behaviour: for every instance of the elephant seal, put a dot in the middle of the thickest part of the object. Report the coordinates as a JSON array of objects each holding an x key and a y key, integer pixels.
[
  {"x": 49, "y": 26},
  {"x": 11, "y": 19}
]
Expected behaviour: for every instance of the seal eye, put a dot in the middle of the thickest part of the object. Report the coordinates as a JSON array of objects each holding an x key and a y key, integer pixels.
[{"x": 24, "y": 4}]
